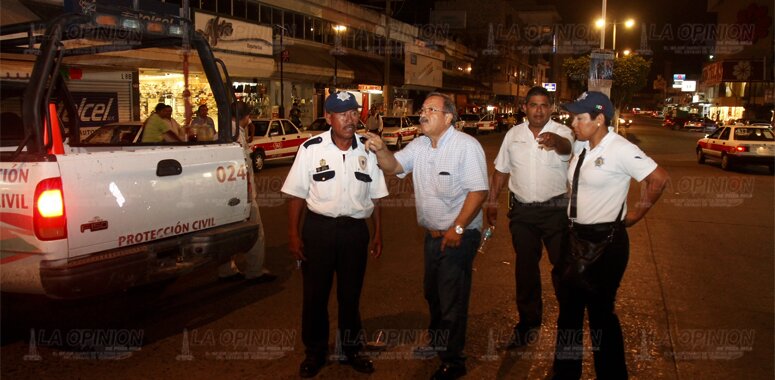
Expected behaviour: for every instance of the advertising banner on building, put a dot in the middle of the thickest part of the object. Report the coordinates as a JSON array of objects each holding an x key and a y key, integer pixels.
[{"x": 423, "y": 67}]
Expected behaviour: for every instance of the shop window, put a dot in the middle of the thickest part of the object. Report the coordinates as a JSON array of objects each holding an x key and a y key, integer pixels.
[
  {"x": 209, "y": 5},
  {"x": 298, "y": 26},
  {"x": 277, "y": 17},
  {"x": 265, "y": 15},
  {"x": 224, "y": 7},
  {"x": 317, "y": 30},
  {"x": 252, "y": 11},
  {"x": 361, "y": 40},
  {"x": 239, "y": 8}
]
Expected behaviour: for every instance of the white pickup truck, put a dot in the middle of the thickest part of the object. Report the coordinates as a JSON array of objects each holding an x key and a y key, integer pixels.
[{"x": 78, "y": 219}]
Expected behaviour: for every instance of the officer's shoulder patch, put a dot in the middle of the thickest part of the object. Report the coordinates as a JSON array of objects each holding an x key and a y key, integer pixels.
[{"x": 313, "y": 141}]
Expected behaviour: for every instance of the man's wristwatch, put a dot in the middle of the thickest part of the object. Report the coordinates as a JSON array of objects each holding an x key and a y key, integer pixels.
[{"x": 459, "y": 229}]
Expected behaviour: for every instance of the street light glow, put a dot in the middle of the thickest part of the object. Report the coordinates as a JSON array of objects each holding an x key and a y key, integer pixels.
[
  {"x": 599, "y": 23},
  {"x": 626, "y": 52},
  {"x": 629, "y": 23},
  {"x": 339, "y": 28}
]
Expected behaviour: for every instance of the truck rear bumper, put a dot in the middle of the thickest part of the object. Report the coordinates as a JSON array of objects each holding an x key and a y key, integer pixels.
[{"x": 123, "y": 268}]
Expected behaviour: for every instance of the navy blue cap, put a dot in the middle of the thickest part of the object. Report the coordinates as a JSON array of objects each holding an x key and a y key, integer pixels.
[
  {"x": 341, "y": 101},
  {"x": 591, "y": 101}
]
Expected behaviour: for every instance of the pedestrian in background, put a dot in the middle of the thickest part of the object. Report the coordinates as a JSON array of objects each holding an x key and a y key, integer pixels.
[
  {"x": 374, "y": 122},
  {"x": 533, "y": 159},
  {"x": 339, "y": 183},
  {"x": 600, "y": 172},
  {"x": 158, "y": 126},
  {"x": 253, "y": 271},
  {"x": 203, "y": 126},
  {"x": 450, "y": 181}
]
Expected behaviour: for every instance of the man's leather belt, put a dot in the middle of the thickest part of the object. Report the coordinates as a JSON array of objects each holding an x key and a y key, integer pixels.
[{"x": 436, "y": 234}]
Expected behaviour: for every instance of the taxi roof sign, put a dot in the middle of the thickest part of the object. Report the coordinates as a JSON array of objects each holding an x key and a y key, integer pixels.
[{"x": 551, "y": 87}]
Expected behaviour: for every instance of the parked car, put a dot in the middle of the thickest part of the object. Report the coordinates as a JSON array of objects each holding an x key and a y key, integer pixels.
[
  {"x": 274, "y": 139},
  {"x": 415, "y": 120},
  {"x": 702, "y": 123},
  {"x": 486, "y": 124},
  {"x": 123, "y": 133},
  {"x": 739, "y": 144},
  {"x": 467, "y": 123},
  {"x": 398, "y": 131},
  {"x": 320, "y": 125}
]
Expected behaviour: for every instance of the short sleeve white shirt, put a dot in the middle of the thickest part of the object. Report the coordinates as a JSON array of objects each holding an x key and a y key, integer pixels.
[
  {"x": 604, "y": 177},
  {"x": 443, "y": 177},
  {"x": 335, "y": 182},
  {"x": 536, "y": 174}
]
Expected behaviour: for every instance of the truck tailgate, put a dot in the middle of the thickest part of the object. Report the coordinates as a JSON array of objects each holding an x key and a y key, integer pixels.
[{"x": 120, "y": 198}]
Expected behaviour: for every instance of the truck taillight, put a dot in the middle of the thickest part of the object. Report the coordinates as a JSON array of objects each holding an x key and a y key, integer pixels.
[{"x": 49, "y": 212}]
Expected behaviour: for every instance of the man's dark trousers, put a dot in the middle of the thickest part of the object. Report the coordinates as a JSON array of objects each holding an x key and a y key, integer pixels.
[
  {"x": 333, "y": 246},
  {"x": 534, "y": 225}
]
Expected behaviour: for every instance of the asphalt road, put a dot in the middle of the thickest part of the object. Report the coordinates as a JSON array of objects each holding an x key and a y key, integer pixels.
[{"x": 696, "y": 300}]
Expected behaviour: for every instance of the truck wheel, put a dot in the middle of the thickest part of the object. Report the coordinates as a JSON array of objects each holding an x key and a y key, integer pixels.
[
  {"x": 700, "y": 156},
  {"x": 726, "y": 164},
  {"x": 399, "y": 143},
  {"x": 257, "y": 157}
]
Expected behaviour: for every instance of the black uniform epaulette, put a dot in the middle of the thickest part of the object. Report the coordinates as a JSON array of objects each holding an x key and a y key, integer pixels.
[{"x": 316, "y": 140}]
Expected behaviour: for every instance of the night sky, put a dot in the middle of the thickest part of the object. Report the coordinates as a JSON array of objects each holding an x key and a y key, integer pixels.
[{"x": 657, "y": 14}]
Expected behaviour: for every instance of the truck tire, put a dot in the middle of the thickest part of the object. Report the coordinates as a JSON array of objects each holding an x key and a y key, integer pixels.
[
  {"x": 257, "y": 158},
  {"x": 700, "y": 156},
  {"x": 399, "y": 143}
]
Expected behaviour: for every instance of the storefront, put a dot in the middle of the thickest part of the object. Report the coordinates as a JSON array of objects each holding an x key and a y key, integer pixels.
[{"x": 157, "y": 86}]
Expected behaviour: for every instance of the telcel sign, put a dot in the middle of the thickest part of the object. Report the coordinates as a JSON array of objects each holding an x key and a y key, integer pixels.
[{"x": 551, "y": 87}]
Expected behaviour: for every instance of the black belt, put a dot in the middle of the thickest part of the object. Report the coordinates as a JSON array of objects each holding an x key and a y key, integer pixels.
[
  {"x": 594, "y": 228},
  {"x": 313, "y": 215},
  {"x": 556, "y": 201}
]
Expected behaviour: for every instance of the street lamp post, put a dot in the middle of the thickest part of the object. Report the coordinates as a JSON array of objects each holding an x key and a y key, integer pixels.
[
  {"x": 601, "y": 23},
  {"x": 337, "y": 50},
  {"x": 281, "y": 109}
]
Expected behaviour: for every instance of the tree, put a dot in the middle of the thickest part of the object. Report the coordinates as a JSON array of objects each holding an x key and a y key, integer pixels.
[
  {"x": 577, "y": 70},
  {"x": 630, "y": 75}
]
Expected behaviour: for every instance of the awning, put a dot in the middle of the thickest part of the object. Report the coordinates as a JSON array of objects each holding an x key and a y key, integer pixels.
[{"x": 462, "y": 84}]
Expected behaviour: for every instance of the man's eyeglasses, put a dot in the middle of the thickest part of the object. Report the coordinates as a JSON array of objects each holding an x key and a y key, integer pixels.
[{"x": 429, "y": 110}]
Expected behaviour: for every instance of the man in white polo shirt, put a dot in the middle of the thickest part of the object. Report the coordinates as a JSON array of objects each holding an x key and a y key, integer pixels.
[{"x": 533, "y": 159}]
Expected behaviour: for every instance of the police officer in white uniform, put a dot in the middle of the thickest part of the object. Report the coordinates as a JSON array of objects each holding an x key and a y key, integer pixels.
[
  {"x": 338, "y": 182},
  {"x": 533, "y": 160},
  {"x": 600, "y": 172}
]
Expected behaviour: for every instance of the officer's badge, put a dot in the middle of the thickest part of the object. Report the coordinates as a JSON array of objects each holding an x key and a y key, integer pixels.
[
  {"x": 362, "y": 162},
  {"x": 599, "y": 162},
  {"x": 323, "y": 167}
]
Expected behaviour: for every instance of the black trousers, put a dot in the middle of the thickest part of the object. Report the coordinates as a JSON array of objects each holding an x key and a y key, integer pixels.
[
  {"x": 533, "y": 226},
  {"x": 333, "y": 246},
  {"x": 605, "y": 329}
]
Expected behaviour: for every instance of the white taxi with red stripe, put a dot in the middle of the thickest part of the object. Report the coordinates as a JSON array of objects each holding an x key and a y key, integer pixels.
[
  {"x": 274, "y": 139},
  {"x": 397, "y": 131},
  {"x": 739, "y": 144}
]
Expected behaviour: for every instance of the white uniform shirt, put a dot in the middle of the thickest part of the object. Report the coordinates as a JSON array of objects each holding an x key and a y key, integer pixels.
[
  {"x": 336, "y": 182},
  {"x": 443, "y": 177},
  {"x": 604, "y": 177},
  {"x": 536, "y": 174}
]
